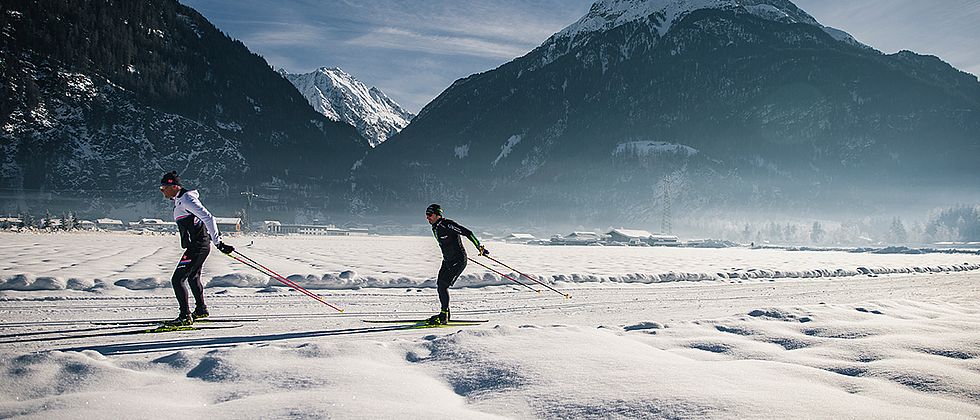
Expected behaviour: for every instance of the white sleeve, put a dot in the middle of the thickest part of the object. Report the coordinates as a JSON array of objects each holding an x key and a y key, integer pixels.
[{"x": 197, "y": 209}]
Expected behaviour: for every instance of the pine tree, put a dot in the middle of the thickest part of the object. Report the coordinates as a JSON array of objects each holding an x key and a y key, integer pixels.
[
  {"x": 28, "y": 220},
  {"x": 246, "y": 225},
  {"x": 817, "y": 233},
  {"x": 897, "y": 233},
  {"x": 46, "y": 222}
]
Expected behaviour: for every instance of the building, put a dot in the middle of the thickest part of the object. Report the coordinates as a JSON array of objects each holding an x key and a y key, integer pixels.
[
  {"x": 577, "y": 238},
  {"x": 629, "y": 236},
  {"x": 519, "y": 237},
  {"x": 110, "y": 224},
  {"x": 316, "y": 230},
  {"x": 228, "y": 224},
  {"x": 272, "y": 227},
  {"x": 87, "y": 225},
  {"x": 638, "y": 237},
  {"x": 155, "y": 225},
  {"x": 11, "y": 222},
  {"x": 275, "y": 227},
  {"x": 663, "y": 240}
]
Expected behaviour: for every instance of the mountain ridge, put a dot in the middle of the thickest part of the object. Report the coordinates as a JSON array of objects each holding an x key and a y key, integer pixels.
[
  {"x": 780, "y": 112},
  {"x": 341, "y": 97},
  {"x": 163, "y": 82}
]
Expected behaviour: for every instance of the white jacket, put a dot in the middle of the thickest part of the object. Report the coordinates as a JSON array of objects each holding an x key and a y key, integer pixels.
[{"x": 193, "y": 219}]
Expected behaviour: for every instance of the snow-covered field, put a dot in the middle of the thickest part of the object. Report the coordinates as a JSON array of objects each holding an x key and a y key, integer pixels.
[{"x": 761, "y": 333}]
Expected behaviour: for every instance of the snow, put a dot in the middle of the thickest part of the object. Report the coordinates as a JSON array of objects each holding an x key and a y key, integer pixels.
[
  {"x": 632, "y": 233},
  {"x": 138, "y": 262},
  {"x": 900, "y": 346},
  {"x": 661, "y": 15},
  {"x": 609, "y": 14},
  {"x": 462, "y": 151},
  {"x": 507, "y": 147},
  {"x": 341, "y": 97},
  {"x": 842, "y": 36},
  {"x": 229, "y": 126},
  {"x": 768, "y": 11},
  {"x": 648, "y": 148}
]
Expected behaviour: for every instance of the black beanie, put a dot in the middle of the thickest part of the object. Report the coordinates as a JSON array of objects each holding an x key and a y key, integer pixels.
[
  {"x": 170, "y": 178},
  {"x": 433, "y": 209}
]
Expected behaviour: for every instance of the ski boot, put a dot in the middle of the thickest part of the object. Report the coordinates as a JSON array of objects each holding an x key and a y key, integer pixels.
[
  {"x": 442, "y": 318},
  {"x": 199, "y": 313},
  {"x": 181, "y": 320}
]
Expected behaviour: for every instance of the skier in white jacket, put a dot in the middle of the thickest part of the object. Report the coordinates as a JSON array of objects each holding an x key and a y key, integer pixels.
[{"x": 197, "y": 231}]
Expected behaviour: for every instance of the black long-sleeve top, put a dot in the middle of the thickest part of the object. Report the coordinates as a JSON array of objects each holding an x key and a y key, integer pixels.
[{"x": 448, "y": 233}]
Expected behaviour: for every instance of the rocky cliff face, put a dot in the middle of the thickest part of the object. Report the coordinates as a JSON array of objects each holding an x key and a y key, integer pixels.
[{"x": 101, "y": 97}]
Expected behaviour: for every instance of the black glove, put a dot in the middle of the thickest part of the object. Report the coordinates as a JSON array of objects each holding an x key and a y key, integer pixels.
[
  {"x": 483, "y": 251},
  {"x": 225, "y": 248}
]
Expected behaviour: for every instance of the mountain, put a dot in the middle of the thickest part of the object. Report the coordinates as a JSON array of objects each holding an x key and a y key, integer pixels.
[
  {"x": 101, "y": 97},
  {"x": 740, "y": 106},
  {"x": 340, "y": 97}
]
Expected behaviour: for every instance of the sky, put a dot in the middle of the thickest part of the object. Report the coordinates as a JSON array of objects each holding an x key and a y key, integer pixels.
[{"x": 414, "y": 49}]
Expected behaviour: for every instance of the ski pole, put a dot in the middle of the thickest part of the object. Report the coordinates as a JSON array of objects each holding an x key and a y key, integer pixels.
[
  {"x": 265, "y": 270},
  {"x": 285, "y": 281},
  {"x": 566, "y": 295},
  {"x": 290, "y": 283},
  {"x": 502, "y": 274}
]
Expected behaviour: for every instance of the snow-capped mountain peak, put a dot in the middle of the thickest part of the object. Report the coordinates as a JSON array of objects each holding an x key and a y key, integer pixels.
[
  {"x": 662, "y": 14},
  {"x": 341, "y": 97}
]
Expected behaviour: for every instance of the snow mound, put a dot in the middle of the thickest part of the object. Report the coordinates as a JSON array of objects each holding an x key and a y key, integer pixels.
[
  {"x": 146, "y": 283},
  {"x": 356, "y": 380},
  {"x": 646, "y": 325},
  {"x": 24, "y": 282},
  {"x": 351, "y": 263},
  {"x": 238, "y": 280},
  {"x": 916, "y": 359}
]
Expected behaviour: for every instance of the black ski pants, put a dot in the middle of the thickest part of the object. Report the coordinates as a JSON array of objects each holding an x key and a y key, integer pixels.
[
  {"x": 188, "y": 272},
  {"x": 448, "y": 274}
]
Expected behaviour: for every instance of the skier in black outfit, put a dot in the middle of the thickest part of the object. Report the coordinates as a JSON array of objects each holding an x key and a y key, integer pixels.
[
  {"x": 197, "y": 231},
  {"x": 447, "y": 233}
]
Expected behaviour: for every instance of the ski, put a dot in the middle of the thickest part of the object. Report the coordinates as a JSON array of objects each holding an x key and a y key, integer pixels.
[
  {"x": 416, "y": 321},
  {"x": 172, "y": 328},
  {"x": 451, "y": 324},
  {"x": 160, "y": 321}
]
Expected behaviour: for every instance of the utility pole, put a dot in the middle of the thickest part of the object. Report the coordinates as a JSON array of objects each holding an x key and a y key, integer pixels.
[
  {"x": 665, "y": 223},
  {"x": 249, "y": 195}
]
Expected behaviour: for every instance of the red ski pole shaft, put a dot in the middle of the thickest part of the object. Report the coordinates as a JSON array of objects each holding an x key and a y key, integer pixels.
[
  {"x": 502, "y": 274},
  {"x": 281, "y": 279},
  {"x": 566, "y": 295},
  {"x": 286, "y": 282},
  {"x": 291, "y": 283}
]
